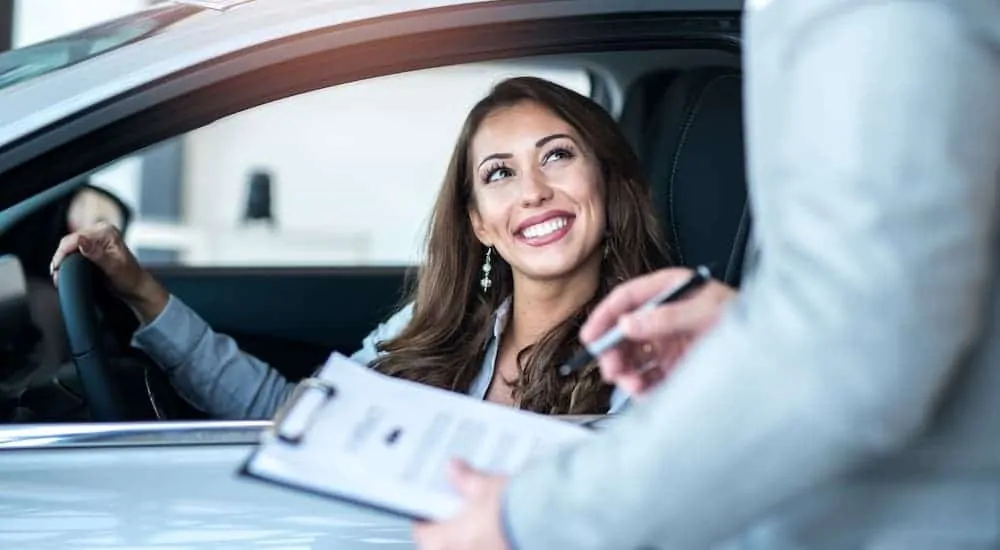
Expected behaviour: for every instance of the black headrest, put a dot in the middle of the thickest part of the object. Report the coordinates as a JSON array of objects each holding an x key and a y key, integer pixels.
[
  {"x": 693, "y": 154},
  {"x": 644, "y": 96},
  {"x": 17, "y": 332}
]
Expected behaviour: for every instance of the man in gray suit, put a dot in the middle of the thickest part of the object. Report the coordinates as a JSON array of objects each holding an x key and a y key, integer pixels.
[{"x": 850, "y": 396}]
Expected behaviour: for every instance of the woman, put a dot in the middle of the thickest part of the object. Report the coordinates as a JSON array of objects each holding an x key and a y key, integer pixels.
[{"x": 543, "y": 210}]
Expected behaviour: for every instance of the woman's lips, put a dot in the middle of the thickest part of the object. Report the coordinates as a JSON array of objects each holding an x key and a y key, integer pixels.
[{"x": 546, "y": 232}]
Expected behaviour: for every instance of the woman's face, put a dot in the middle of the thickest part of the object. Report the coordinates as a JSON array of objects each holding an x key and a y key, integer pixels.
[{"x": 538, "y": 198}]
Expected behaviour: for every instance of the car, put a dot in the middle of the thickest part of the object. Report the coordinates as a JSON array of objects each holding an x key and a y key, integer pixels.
[{"x": 247, "y": 127}]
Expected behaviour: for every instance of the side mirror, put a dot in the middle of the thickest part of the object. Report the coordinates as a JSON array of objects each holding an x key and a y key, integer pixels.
[{"x": 91, "y": 204}]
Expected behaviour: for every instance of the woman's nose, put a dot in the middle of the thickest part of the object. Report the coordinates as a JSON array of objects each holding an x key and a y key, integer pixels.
[{"x": 535, "y": 189}]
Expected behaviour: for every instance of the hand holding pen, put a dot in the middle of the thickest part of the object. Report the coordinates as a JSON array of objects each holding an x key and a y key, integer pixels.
[{"x": 644, "y": 326}]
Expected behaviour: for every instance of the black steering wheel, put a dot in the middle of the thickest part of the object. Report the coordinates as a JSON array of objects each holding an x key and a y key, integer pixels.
[{"x": 77, "y": 279}]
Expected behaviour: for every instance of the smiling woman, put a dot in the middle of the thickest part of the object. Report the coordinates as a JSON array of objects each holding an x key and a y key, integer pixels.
[
  {"x": 543, "y": 176},
  {"x": 563, "y": 203}
]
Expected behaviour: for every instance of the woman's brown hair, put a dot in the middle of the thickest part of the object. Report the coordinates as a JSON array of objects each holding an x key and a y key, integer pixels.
[{"x": 445, "y": 340}]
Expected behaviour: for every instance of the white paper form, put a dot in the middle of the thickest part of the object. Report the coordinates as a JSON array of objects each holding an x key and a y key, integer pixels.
[{"x": 358, "y": 435}]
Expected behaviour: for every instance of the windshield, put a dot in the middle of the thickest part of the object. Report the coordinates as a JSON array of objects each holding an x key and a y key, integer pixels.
[{"x": 44, "y": 57}]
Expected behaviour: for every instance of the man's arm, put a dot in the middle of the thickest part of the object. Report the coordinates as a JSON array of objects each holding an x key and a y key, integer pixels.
[{"x": 876, "y": 264}]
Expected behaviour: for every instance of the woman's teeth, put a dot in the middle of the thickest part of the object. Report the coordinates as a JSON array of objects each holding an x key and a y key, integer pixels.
[{"x": 545, "y": 228}]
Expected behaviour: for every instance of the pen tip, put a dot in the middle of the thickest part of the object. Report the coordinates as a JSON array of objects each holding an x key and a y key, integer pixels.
[{"x": 575, "y": 362}]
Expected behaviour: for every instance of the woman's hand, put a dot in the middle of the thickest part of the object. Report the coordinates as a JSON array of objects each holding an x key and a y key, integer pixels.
[
  {"x": 656, "y": 339},
  {"x": 103, "y": 245}
]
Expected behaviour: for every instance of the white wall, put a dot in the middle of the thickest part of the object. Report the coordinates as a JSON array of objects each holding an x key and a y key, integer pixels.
[{"x": 356, "y": 167}]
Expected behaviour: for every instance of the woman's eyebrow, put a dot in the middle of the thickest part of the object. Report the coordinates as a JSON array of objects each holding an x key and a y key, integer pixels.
[
  {"x": 546, "y": 139},
  {"x": 495, "y": 156}
]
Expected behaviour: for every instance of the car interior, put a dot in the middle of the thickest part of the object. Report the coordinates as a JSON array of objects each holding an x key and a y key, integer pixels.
[{"x": 681, "y": 110}]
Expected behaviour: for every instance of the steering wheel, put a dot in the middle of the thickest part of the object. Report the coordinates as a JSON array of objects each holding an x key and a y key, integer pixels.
[{"x": 77, "y": 277}]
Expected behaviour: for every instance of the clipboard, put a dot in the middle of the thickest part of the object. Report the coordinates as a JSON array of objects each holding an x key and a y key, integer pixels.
[
  {"x": 358, "y": 436},
  {"x": 293, "y": 432}
]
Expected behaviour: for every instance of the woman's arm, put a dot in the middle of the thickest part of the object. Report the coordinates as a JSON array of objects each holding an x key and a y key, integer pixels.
[{"x": 208, "y": 369}]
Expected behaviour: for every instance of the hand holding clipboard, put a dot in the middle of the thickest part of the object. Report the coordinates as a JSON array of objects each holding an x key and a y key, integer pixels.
[{"x": 357, "y": 435}]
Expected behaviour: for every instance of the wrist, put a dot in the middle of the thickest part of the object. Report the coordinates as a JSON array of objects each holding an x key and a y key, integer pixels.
[{"x": 149, "y": 298}]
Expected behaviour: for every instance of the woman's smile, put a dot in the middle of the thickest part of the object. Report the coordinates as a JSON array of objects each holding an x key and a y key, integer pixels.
[{"x": 545, "y": 229}]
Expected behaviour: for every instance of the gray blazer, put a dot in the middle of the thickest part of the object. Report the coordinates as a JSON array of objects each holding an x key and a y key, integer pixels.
[{"x": 850, "y": 398}]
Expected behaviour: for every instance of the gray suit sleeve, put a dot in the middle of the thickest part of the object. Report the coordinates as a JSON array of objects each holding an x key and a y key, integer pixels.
[
  {"x": 208, "y": 369},
  {"x": 878, "y": 254}
]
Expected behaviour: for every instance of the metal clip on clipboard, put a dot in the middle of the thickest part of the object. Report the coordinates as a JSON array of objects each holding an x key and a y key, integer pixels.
[{"x": 310, "y": 396}]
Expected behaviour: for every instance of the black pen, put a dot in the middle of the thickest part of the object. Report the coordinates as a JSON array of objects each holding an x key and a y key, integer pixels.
[{"x": 614, "y": 337}]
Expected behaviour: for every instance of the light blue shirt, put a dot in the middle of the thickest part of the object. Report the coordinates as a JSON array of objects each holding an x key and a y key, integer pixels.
[{"x": 210, "y": 371}]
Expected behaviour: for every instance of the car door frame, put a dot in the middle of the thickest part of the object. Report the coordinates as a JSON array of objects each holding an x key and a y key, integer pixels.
[
  {"x": 179, "y": 102},
  {"x": 171, "y": 105}
]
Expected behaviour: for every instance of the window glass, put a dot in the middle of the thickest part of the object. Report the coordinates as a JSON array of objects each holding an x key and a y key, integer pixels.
[
  {"x": 342, "y": 176},
  {"x": 38, "y": 58}
]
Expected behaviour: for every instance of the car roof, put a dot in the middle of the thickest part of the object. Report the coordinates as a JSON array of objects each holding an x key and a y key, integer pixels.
[{"x": 210, "y": 34}]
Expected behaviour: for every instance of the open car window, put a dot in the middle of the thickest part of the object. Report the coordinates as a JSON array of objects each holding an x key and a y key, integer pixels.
[
  {"x": 343, "y": 176},
  {"x": 340, "y": 177}
]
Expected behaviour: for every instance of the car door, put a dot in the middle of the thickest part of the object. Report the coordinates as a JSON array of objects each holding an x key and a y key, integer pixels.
[{"x": 346, "y": 220}]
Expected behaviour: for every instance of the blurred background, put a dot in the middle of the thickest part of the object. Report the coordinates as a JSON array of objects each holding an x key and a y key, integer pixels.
[{"x": 279, "y": 185}]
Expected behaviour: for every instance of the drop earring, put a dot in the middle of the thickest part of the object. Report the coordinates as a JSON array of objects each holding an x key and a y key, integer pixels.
[{"x": 486, "y": 282}]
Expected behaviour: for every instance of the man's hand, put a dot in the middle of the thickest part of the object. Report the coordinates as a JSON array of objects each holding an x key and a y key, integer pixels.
[
  {"x": 478, "y": 526},
  {"x": 658, "y": 338}
]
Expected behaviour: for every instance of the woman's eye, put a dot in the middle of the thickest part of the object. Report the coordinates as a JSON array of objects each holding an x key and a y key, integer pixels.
[
  {"x": 497, "y": 174},
  {"x": 558, "y": 154}
]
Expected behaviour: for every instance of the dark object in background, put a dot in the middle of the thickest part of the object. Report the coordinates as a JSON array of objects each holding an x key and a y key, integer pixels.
[
  {"x": 259, "y": 198},
  {"x": 18, "y": 335}
]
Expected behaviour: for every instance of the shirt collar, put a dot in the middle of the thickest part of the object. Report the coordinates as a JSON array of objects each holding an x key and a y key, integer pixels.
[{"x": 500, "y": 317}]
